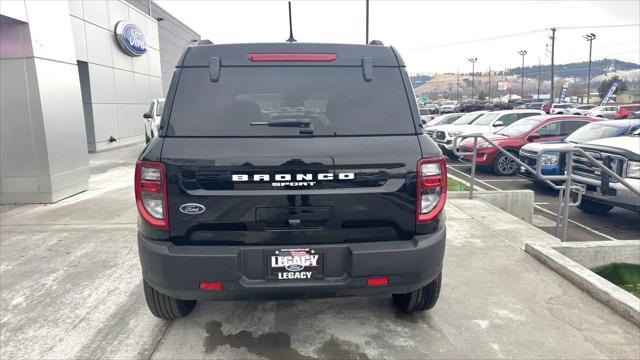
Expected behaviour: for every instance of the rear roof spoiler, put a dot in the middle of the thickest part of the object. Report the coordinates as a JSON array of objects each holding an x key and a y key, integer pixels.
[{"x": 236, "y": 54}]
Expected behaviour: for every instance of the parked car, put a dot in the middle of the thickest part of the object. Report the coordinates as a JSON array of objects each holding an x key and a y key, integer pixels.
[
  {"x": 433, "y": 108},
  {"x": 553, "y": 163},
  {"x": 607, "y": 112},
  {"x": 152, "y": 119},
  {"x": 442, "y": 136},
  {"x": 425, "y": 115},
  {"x": 472, "y": 106},
  {"x": 624, "y": 111},
  {"x": 546, "y": 107},
  {"x": 449, "y": 107},
  {"x": 531, "y": 105},
  {"x": 580, "y": 109},
  {"x": 331, "y": 191},
  {"x": 601, "y": 193},
  {"x": 560, "y": 108},
  {"x": 444, "y": 119},
  {"x": 539, "y": 128}
]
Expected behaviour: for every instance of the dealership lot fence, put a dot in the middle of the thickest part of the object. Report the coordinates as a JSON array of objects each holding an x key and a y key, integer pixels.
[{"x": 565, "y": 186}]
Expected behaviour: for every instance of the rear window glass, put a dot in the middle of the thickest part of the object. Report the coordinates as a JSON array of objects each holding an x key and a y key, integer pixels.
[{"x": 336, "y": 100}]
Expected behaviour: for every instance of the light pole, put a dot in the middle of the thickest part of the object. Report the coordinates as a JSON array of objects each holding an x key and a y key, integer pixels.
[
  {"x": 590, "y": 38},
  {"x": 523, "y": 53},
  {"x": 553, "y": 52},
  {"x": 473, "y": 72}
]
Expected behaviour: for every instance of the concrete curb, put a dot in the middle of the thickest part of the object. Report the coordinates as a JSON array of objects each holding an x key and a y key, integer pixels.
[
  {"x": 616, "y": 298},
  {"x": 518, "y": 203}
]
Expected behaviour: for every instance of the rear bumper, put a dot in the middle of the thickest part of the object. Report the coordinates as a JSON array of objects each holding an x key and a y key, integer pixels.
[{"x": 178, "y": 270}]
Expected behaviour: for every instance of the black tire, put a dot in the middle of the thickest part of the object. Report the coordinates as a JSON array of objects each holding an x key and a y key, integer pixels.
[
  {"x": 504, "y": 165},
  {"x": 592, "y": 207},
  {"x": 422, "y": 299},
  {"x": 166, "y": 307}
]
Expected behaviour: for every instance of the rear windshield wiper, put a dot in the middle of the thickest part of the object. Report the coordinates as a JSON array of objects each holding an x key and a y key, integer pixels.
[{"x": 304, "y": 124}]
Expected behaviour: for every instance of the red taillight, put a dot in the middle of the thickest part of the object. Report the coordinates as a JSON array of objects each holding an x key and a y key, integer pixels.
[
  {"x": 291, "y": 57},
  {"x": 378, "y": 281},
  {"x": 210, "y": 286},
  {"x": 151, "y": 193},
  {"x": 432, "y": 188}
]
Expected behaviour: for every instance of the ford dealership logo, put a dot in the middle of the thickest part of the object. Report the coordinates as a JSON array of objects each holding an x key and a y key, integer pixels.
[
  {"x": 294, "y": 267},
  {"x": 192, "y": 208},
  {"x": 131, "y": 38}
]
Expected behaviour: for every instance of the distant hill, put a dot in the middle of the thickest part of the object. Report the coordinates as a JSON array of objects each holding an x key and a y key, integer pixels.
[
  {"x": 576, "y": 70},
  {"x": 446, "y": 84}
]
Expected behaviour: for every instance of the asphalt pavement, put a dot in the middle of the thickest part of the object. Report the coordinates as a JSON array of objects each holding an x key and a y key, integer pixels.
[{"x": 618, "y": 224}]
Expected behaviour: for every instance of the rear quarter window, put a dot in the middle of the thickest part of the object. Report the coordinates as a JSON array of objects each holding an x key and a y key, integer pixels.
[{"x": 336, "y": 100}]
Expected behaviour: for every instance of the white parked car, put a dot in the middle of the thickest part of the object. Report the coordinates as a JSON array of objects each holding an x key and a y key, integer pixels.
[
  {"x": 449, "y": 107},
  {"x": 440, "y": 133},
  {"x": 152, "y": 119},
  {"x": 560, "y": 108},
  {"x": 600, "y": 194},
  {"x": 488, "y": 122},
  {"x": 580, "y": 109},
  {"x": 607, "y": 111}
]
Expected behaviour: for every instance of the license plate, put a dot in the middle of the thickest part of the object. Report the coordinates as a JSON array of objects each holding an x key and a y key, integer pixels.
[{"x": 295, "y": 264}]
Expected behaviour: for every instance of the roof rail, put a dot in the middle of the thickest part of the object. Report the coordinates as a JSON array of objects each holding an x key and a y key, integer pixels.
[{"x": 204, "y": 42}]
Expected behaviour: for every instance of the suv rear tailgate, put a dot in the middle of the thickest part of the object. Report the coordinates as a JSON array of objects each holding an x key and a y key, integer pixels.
[{"x": 376, "y": 203}]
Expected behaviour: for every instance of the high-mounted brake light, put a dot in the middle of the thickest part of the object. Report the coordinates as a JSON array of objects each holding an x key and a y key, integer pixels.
[
  {"x": 291, "y": 57},
  {"x": 432, "y": 188},
  {"x": 151, "y": 193}
]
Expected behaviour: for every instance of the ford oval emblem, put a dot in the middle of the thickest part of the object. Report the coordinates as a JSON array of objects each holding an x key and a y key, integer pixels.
[
  {"x": 131, "y": 38},
  {"x": 192, "y": 209},
  {"x": 294, "y": 267}
]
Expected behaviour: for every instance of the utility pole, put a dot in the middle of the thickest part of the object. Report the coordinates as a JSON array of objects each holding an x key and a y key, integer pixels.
[
  {"x": 473, "y": 72},
  {"x": 523, "y": 53},
  {"x": 590, "y": 38},
  {"x": 458, "y": 86},
  {"x": 489, "y": 82},
  {"x": 367, "y": 30},
  {"x": 553, "y": 50},
  {"x": 539, "y": 75}
]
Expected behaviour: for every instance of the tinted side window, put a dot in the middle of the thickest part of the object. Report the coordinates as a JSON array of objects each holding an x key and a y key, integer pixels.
[
  {"x": 509, "y": 119},
  {"x": 524, "y": 115},
  {"x": 336, "y": 100},
  {"x": 569, "y": 127},
  {"x": 550, "y": 129}
]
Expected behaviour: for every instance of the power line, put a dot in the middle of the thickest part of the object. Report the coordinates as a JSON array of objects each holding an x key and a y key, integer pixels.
[
  {"x": 596, "y": 26},
  {"x": 504, "y": 36}
]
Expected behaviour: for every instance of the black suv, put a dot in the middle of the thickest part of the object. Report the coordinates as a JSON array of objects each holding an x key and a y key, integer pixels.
[{"x": 290, "y": 169}]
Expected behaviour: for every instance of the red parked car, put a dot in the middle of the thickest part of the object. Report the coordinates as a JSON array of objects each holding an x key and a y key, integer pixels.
[
  {"x": 542, "y": 128},
  {"x": 625, "y": 110}
]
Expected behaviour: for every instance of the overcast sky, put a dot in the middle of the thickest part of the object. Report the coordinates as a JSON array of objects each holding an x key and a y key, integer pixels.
[{"x": 432, "y": 36}]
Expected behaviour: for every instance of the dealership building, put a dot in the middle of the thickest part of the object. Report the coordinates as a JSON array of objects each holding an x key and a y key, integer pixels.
[{"x": 76, "y": 77}]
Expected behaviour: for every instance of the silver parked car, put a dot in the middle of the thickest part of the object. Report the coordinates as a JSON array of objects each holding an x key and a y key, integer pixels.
[{"x": 607, "y": 111}]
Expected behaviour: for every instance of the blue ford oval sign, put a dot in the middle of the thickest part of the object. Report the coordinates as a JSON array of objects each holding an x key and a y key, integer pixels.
[
  {"x": 130, "y": 38},
  {"x": 192, "y": 209}
]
